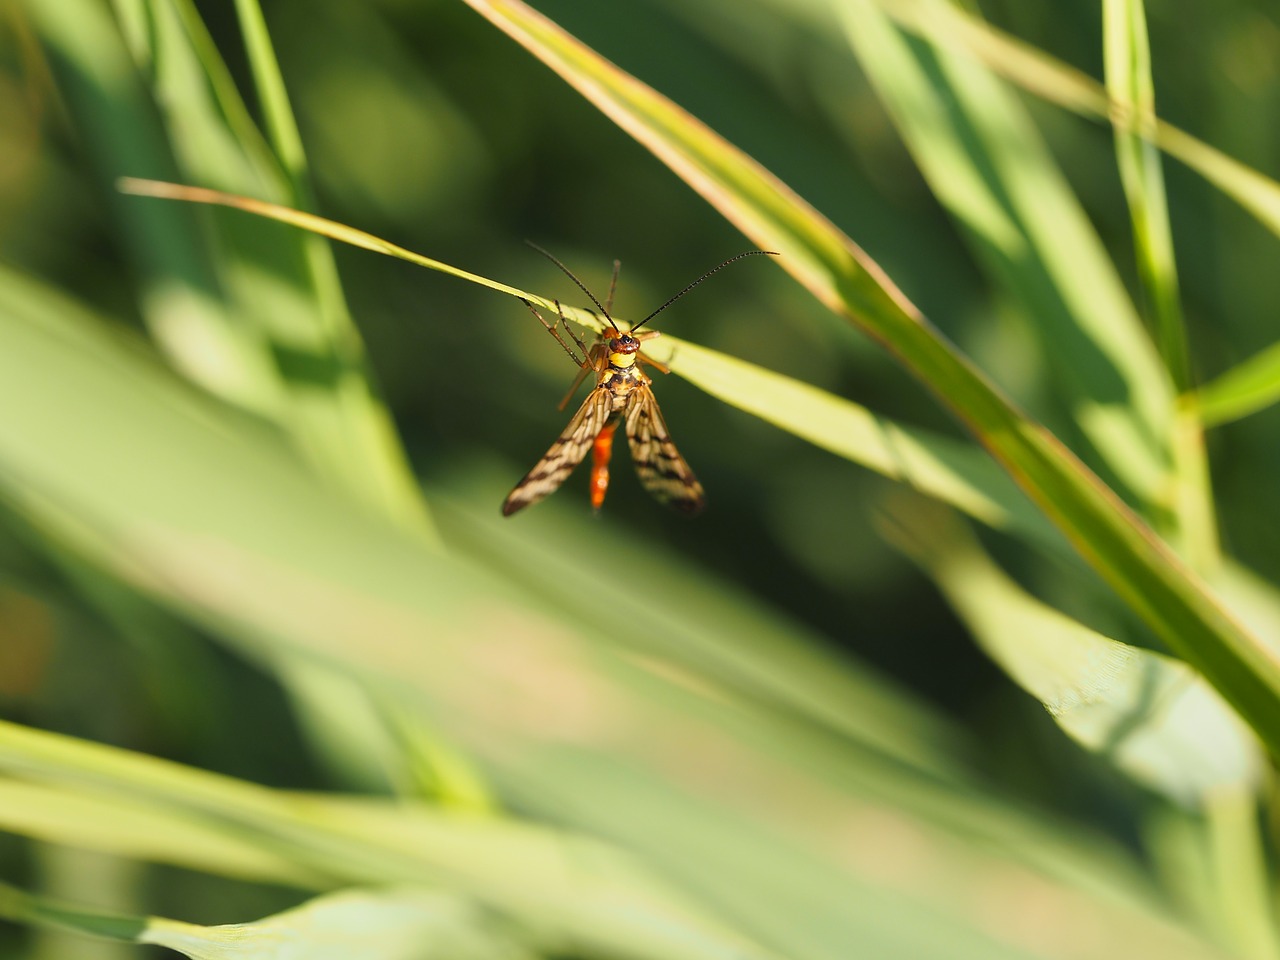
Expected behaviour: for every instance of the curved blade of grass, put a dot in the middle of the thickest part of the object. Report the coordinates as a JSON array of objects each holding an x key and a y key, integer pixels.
[
  {"x": 1128, "y": 64},
  {"x": 951, "y": 470},
  {"x": 1244, "y": 389},
  {"x": 1145, "y": 573},
  {"x": 562, "y": 888},
  {"x": 274, "y": 333},
  {"x": 397, "y": 924},
  {"x": 202, "y": 510},
  {"x": 1150, "y": 715},
  {"x": 949, "y": 27},
  {"x": 1128, "y": 68},
  {"x": 985, "y": 161}
]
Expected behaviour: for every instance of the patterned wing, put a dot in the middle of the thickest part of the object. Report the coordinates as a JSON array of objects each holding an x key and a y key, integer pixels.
[
  {"x": 662, "y": 470},
  {"x": 565, "y": 454}
]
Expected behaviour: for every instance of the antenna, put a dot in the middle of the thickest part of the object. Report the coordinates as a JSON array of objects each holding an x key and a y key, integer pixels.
[
  {"x": 749, "y": 253},
  {"x": 582, "y": 286}
]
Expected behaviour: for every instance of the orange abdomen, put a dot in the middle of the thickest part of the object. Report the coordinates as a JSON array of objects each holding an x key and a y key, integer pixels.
[{"x": 601, "y": 452}]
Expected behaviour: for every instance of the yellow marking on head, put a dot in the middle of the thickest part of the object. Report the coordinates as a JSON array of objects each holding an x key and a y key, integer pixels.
[{"x": 623, "y": 360}]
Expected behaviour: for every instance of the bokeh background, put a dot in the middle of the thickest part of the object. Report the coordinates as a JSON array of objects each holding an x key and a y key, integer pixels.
[{"x": 424, "y": 125}]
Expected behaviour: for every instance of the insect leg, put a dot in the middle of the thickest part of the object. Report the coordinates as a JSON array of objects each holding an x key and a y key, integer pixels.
[
  {"x": 564, "y": 322},
  {"x": 551, "y": 329},
  {"x": 660, "y": 367}
]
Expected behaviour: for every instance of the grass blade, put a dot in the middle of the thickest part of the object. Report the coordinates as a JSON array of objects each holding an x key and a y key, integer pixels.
[
  {"x": 985, "y": 161},
  {"x": 1143, "y": 571},
  {"x": 1244, "y": 389},
  {"x": 273, "y": 332},
  {"x": 1149, "y": 715},
  {"x": 950, "y": 28},
  {"x": 201, "y": 509},
  {"x": 951, "y": 470},
  {"x": 394, "y": 924},
  {"x": 1129, "y": 83},
  {"x": 1128, "y": 60}
]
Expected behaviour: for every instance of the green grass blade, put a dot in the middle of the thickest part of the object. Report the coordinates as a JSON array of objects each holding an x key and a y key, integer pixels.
[
  {"x": 1142, "y": 570},
  {"x": 1128, "y": 66},
  {"x": 20, "y": 907},
  {"x": 395, "y": 924},
  {"x": 277, "y": 337},
  {"x": 201, "y": 509},
  {"x": 1149, "y": 715},
  {"x": 1244, "y": 389},
  {"x": 986, "y": 163},
  {"x": 398, "y": 924},
  {"x": 953, "y": 471},
  {"x": 560, "y": 886},
  {"x": 565, "y": 887},
  {"x": 282, "y": 128},
  {"x": 1128, "y": 62},
  {"x": 950, "y": 28}
]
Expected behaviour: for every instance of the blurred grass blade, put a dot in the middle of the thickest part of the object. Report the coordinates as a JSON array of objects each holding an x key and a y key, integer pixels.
[
  {"x": 1132, "y": 92},
  {"x": 282, "y": 128},
  {"x": 985, "y": 161},
  {"x": 1244, "y": 389},
  {"x": 561, "y": 886},
  {"x": 1151, "y": 716},
  {"x": 955, "y": 472},
  {"x": 1140, "y": 568},
  {"x": 395, "y": 924},
  {"x": 185, "y": 306},
  {"x": 566, "y": 888},
  {"x": 18, "y": 906},
  {"x": 319, "y": 225},
  {"x": 276, "y": 335},
  {"x": 344, "y": 424},
  {"x": 950, "y": 28},
  {"x": 1129, "y": 83},
  {"x": 202, "y": 509}
]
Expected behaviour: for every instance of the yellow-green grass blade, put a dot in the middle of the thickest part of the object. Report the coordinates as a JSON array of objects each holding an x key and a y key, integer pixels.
[
  {"x": 101, "y": 361},
  {"x": 281, "y": 292},
  {"x": 569, "y": 888},
  {"x": 1150, "y": 715},
  {"x": 202, "y": 509},
  {"x": 985, "y": 161},
  {"x": 392, "y": 924},
  {"x": 951, "y": 470},
  {"x": 1145, "y": 573},
  {"x": 951, "y": 28},
  {"x": 282, "y": 128},
  {"x": 562, "y": 887},
  {"x": 1244, "y": 389},
  {"x": 120, "y": 129},
  {"x": 1128, "y": 69},
  {"x": 273, "y": 332}
]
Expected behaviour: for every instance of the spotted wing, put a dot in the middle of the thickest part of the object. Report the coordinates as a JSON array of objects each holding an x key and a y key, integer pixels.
[
  {"x": 662, "y": 470},
  {"x": 565, "y": 454}
]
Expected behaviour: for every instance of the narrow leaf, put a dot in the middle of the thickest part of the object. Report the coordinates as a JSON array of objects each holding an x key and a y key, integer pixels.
[
  {"x": 1143, "y": 570},
  {"x": 950, "y": 28},
  {"x": 1244, "y": 389},
  {"x": 1150, "y": 715}
]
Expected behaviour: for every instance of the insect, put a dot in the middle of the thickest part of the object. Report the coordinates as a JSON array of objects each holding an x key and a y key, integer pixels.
[{"x": 623, "y": 394}]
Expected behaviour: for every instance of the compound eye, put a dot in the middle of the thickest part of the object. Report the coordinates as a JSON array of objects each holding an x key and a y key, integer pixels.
[{"x": 625, "y": 344}]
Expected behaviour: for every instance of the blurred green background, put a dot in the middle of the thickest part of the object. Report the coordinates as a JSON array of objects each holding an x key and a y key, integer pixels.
[{"x": 424, "y": 125}]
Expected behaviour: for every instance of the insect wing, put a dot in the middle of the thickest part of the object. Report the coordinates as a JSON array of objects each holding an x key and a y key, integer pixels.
[
  {"x": 565, "y": 454},
  {"x": 662, "y": 471}
]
